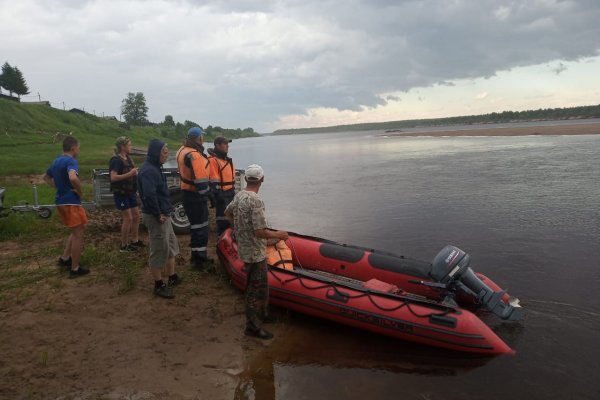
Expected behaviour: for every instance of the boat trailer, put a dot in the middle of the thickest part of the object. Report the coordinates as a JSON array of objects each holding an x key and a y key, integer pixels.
[{"x": 43, "y": 211}]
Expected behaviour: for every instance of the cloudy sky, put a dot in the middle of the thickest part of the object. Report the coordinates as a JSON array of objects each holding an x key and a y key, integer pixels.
[{"x": 305, "y": 63}]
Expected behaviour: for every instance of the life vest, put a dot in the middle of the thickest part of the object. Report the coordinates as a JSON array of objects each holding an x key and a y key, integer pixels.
[
  {"x": 125, "y": 186},
  {"x": 222, "y": 173},
  {"x": 279, "y": 255},
  {"x": 194, "y": 170}
]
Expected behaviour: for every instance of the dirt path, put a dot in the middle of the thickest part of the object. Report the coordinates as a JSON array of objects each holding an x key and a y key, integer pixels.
[{"x": 84, "y": 339}]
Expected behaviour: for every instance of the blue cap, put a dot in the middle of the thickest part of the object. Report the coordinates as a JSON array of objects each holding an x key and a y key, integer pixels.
[{"x": 195, "y": 132}]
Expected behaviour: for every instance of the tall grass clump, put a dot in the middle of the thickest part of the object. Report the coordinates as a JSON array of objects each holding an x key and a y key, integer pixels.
[
  {"x": 120, "y": 269},
  {"x": 30, "y": 227}
]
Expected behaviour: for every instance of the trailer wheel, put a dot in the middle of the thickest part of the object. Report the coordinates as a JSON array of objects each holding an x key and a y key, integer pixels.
[
  {"x": 179, "y": 219},
  {"x": 44, "y": 212}
]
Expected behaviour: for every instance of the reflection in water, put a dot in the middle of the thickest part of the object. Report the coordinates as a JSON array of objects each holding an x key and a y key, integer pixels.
[{"x": 316, "y": 359}]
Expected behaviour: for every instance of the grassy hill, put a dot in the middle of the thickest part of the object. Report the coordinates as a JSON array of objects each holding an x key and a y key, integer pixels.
[{"x": 31, "y": 136}]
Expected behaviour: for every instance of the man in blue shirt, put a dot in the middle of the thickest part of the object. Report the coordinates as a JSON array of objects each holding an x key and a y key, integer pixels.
[{"x": 63, "y": 174}]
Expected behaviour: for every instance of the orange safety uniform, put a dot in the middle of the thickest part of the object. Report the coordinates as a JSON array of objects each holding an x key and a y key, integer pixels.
[
  {"x": 222, "y": 173},
  {"x": 279, "y": 255},
  {"x": 194, "y": 170}
]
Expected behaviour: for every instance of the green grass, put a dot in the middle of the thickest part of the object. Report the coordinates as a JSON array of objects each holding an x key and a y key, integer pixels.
[
  {"x": 19, "y": 189},
  {"x": 21, "y": 272},
  {"x": 41, "y": 242},
  {"x": 31, "y": 137},
  {"x": 121, "y": 270},
  {"x": 28, "y": 144},
  {"x": 17, "y": 282},
  {"x": 29, "y": 141},
  {"x": 30, "y": 227}
]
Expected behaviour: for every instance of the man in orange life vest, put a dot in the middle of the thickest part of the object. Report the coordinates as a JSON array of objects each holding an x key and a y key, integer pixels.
[
  {"x": 194, "y": 173},
  {"x": 222, "y": 180}
]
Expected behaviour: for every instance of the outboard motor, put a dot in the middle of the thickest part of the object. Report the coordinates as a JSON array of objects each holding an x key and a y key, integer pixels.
[{"x": 451, "y": 267}]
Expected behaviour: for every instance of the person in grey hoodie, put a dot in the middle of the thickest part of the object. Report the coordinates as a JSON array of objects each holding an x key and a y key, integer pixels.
[{"x": 156, "y": 215}]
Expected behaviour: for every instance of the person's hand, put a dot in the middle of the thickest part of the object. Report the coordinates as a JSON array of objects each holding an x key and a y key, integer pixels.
[
  {"x": 162, "y": 219},
  {"x": 133, "y": 172}
]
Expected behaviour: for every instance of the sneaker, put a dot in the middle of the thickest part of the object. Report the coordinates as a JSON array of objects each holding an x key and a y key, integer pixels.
[
  {"x": 258, "y": 333},
  {"x": 64, "y": 263},
  {"x": 128, "y": 248},
  {"x": 174, "y": 281},
  {"x": 138, "y": 243},
  {"x": 164, "y": 291},
  {"x": 78, "y": 272}
]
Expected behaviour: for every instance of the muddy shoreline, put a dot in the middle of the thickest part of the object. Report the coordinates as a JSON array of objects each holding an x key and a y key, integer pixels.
[
  {"x": 573, "y": 129},
  {"x": 87, "y": 338}
]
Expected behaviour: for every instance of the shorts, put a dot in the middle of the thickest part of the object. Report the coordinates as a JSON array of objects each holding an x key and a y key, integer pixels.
[
  {"x": 163, "y": 243},
  {"x": 72, "y": 216},
  {"x": 125, "y": 202}
]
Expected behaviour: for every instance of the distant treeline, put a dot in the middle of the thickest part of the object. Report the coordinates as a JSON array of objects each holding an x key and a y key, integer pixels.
[
  {"x": 547, "y": 114},
  {"x": 178, "y": 130}
]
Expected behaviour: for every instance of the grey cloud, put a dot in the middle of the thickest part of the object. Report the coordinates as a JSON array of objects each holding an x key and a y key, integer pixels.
[
  {"x": 559, "y": 68},
  {"x": 247, "y": 63}
]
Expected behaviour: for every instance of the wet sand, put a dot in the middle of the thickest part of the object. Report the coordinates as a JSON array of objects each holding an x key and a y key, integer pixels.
[{"x": 571, "y": 129}]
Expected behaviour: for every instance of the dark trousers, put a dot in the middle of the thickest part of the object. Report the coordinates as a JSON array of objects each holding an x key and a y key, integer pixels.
[
  {"x": 196, "y": 208},
  {"x": 257, "y": 294},
  {"x": 223, "y": 200}
]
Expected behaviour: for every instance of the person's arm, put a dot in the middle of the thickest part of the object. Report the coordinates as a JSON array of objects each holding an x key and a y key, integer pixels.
[
  {"x": 114, "y": 168},
  {"x": 48, "y": 179},
  {"x": 75, "y": 182},
  {"x": 201, "y": 172},
  {"x": 270, "y": 234},
  {"x": 259, "y": 222},
  {"x": 148, "y": 185},
  {"x": 115, "y": 177},
  {"x": 214, "y": 178}
]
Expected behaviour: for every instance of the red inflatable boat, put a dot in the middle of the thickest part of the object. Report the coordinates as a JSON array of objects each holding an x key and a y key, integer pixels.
[{"x": 428, "y": 303}]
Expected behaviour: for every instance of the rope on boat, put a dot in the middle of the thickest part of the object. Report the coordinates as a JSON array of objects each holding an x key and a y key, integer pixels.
[{"x": 404, "y": 302}]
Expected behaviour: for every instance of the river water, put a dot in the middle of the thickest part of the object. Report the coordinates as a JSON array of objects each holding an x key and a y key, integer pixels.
[{"x": 525, "y": 208}]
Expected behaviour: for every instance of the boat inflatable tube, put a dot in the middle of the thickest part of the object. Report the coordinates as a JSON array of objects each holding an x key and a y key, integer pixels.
[{"x": 451, "y": 267}]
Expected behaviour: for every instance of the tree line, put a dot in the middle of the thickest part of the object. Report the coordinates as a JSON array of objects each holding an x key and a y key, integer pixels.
[
  {"x": 135, "y": 113},
  {"x": 11, "y": 79}
]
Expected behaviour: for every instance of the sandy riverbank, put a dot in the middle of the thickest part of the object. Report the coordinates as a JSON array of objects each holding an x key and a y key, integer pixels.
[
  {"x": 88, "y": 339},
  {"x": 570, "y": 129}
]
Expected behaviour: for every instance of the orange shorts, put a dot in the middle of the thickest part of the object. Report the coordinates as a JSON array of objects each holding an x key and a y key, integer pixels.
[{"x": 72, "y": 216}]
